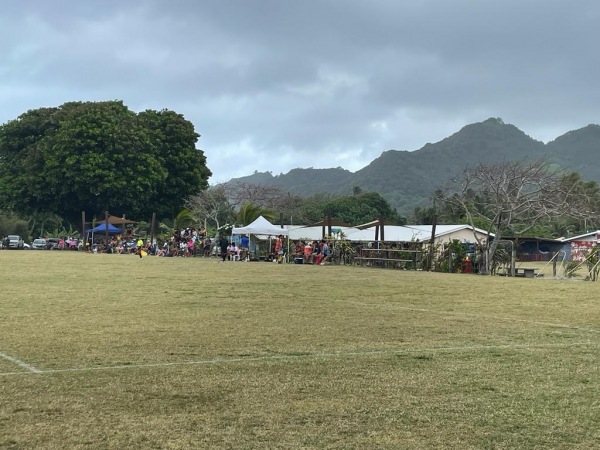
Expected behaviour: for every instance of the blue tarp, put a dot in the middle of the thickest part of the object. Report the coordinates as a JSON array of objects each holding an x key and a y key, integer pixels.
[{"x": 101, "y": 228}]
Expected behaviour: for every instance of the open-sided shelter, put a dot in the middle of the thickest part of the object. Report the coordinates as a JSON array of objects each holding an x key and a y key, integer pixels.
[
  {"x": 102, "y": 228},
  {"x": 262, "y": 227}
]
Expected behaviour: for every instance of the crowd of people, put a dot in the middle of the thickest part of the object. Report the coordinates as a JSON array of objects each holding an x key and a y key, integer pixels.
[
  {"x": 183, "y": 242},
  {"x": 195, "y": 242},
  {"x": 315, "y": 252}
]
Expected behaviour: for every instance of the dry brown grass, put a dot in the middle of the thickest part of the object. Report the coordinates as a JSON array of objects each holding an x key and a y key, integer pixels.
[{"x": 191, "y": 353}]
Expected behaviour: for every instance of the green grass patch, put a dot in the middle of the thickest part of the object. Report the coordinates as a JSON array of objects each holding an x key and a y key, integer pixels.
[{"x": 194, "y": 353}]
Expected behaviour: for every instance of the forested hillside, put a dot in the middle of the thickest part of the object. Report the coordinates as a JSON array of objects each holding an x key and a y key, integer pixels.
[{"x": 407, "y": 179}]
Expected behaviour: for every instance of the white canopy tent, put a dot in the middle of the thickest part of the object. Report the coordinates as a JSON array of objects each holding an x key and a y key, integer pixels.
[{"x": 261, "y": 226}]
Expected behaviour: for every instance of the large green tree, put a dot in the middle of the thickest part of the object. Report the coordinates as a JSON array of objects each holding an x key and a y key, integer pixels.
[
  {"x": 97, "y": 156},
  {"x": 175, "y": 141},
  {"x": 354, "y": 210}
]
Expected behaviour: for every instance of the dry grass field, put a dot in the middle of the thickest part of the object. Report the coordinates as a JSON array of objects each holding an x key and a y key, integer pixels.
[{"x": 116, "y": 352}]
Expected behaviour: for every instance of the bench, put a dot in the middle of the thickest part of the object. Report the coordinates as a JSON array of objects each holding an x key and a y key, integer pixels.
[
  {"x": 526, "y": 272},
  {"x": 384, "y": 262}
]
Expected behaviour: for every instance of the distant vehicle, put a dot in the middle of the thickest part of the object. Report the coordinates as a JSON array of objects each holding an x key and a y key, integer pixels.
[
  {"x": 39, "y": 244},
  {"x": 26, "y": 246},
  {"x": 15, "y": 242},
  {"x": 72, "y": 244},
  {"x": 53, "y": 244}
]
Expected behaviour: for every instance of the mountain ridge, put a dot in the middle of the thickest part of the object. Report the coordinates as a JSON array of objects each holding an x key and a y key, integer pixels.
[{"x": 406, "y": 179}]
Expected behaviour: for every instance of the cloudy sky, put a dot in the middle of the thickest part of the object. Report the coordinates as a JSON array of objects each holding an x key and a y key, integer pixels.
[{"x": 278, "y": 84}]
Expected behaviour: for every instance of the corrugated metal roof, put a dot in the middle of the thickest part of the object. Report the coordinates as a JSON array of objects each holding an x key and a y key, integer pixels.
[
  {"x": 392, "y": 233},
  {"x": 576, "y": 238}
]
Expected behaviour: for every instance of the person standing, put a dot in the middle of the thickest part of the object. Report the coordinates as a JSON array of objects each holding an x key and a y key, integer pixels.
[
  {"x": 245, "y": 241},
  {"x": 223, "y": 244},
  {"x": 207, "y": 244},
  {"x": 325, "y": 251}
]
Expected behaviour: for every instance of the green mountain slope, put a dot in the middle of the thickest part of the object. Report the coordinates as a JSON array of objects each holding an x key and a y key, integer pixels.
[
  {"x": 304, "y": 182},
  {"x": 407, "y": 179},
  {"x": 578, "y": 150}
]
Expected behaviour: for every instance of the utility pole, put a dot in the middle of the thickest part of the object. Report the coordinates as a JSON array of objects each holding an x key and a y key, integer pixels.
[{"x": 432, "y": 239}]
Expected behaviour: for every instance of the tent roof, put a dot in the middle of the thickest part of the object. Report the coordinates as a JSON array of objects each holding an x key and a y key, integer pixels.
[
  {"x": 300, "y": 232},
  {"x": 373, "y": 223},
  {"x": 260, "y": 226},
  {"x": 441, "y": 230},
  {"x": 408, "y": 233},
  {"x": 334, "y": 223},
  {"x": 101, "y": 228},
  {"x": 393, "y": 233},
  {"x": 114, "y": 220}
]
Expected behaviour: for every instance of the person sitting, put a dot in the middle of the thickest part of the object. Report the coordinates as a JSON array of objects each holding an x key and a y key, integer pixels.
[
  {"x": 298, "y": 252},
  {"x": 232, "y": 251},
  {"x": 307, "y": 253},
  {"x": 299, "y": 249}
]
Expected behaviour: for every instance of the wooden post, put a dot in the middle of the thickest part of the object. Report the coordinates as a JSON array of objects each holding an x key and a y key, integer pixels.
[
  {"x": 83, "y": 239},
  {"x": 329, "y": 222},
  {"x": 554, "y": 258},
  {"x": 432, "y": 243},
  {"x": 382, "y": 225},
  {"x": 106, "y": 228},
  {"x": 415, "y": 256},
  {"x": 513, "y": 260},
  {"x": 152, "y": 225}
]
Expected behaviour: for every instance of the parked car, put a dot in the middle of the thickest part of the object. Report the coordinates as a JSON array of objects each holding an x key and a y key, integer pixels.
[
  {"x": 53, "y": 244},
  {"x": 39, "y": 244},
  {"x": 72, "y": 244},
  {"x": 15, "y": 242}
]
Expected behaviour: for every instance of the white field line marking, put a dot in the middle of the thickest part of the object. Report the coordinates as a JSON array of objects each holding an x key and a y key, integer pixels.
[
  {"x": 325, "y": 355},
  {"x": 466, "y": 314},
  {"x": 20, "y": 363}
]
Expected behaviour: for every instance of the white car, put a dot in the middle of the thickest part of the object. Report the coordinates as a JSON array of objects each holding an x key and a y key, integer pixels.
[
  {"x": 39, "y": 244},
  {"x": 15, "y": 241}
]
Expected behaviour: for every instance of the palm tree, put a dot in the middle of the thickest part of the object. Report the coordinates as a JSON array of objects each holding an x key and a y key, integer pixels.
[
  {"x": 186, "y": 219},
  {"x": 248, "y": 213}
]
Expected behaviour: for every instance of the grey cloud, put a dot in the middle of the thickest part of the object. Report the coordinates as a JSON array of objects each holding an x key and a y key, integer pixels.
[{"x": 312, "y": 83}]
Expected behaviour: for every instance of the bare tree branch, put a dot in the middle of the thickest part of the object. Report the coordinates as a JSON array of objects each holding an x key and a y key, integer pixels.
[
  {"x": 512, "y": 197},
  {"x": 210, "y": 204}
]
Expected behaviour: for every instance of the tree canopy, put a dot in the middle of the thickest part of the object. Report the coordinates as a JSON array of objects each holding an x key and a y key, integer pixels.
[
  {"x": 97, "y": 156},
  {"x": 353, "y": 210},
  {"x": 513, "y": 197}
]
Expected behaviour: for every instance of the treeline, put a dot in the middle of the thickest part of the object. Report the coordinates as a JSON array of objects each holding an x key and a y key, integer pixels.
[
  {"x": 99, "y": 156},
  {"x": 240, "y": 203}
]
